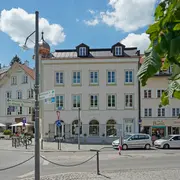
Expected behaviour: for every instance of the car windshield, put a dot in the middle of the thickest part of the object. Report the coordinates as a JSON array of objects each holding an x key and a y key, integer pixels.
[
  {"x": 127, "y": 136},
  {"x": 167, "y": 138}
]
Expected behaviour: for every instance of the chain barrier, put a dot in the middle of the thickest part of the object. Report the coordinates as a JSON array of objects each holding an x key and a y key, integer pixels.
[
  {"x": 70, "y": 165},
  {"x": 10, "y": 167}
]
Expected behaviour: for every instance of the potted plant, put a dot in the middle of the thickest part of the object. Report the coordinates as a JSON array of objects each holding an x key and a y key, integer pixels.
[{"x": 7, "y": 133}]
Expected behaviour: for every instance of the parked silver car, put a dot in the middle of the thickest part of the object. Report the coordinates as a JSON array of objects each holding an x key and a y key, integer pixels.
[
  {"x": 172, "y": 141},
  {"x": 138, "y": 140}
]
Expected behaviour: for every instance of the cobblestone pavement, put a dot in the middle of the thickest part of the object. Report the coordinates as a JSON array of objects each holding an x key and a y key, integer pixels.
[{"x": 151, "y": 174}]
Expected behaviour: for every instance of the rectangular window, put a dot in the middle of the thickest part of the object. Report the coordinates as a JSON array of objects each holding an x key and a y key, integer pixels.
[
  {"x": 161, "y": 112},
  {"x": 159, "y": 93},
  {"x": 59, "y": 78},
  {"x": 30, "y": 94},
  {"x": 128, "y": 76},
  {"x": 82, "y": 51},
  {"x": 111, "y": 77},
  {"x": 175, "y": 112},
  {"x": 8, "y": 94},
  {"x": 76, "y": 77},
  {"x": 25, "y": 79},
  {"x": 30, "y": 110},
  {"x": 118, "y": 51},
  {"x": 19, "y": 110},
  {"x": 128, "y": 100},
  {"x": 9, "y": 110},
  {"x": 147, "y": 94},
  {"x": 60, "y": 101},
  {"x": 111, "y": 101},
  {"x": 147, "y": 112},
  {"x": 94, "y": 77},
  {"x": 19, "y": 94},
  {"x": 93, "y": 101},
  {"x": 76, "y": 101},
  {"x": 13, "y": 80}
]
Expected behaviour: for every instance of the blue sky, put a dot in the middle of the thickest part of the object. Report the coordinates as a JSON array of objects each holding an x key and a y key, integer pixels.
[{"x": 82, "y": 21}]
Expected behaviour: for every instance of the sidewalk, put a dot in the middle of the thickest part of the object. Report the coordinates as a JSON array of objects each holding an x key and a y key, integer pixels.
[{"x": 52, "y": 146}]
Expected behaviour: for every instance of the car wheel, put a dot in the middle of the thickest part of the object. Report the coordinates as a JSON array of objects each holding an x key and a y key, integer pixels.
[
  {"x": 147, "y": 146},
  {"x": 124, "y": 147},
  {"x": 166, "y": 146}
]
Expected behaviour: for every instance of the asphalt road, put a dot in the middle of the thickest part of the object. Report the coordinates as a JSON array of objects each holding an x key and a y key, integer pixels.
[{"x": 109, "y": 161}]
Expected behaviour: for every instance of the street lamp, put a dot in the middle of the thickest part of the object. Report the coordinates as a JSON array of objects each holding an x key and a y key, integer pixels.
[{"x": 40, "y": 48}]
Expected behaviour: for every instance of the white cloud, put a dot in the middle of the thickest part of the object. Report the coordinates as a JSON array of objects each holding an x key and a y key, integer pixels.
[
  {"x": 18, "y": 24},
  {"x": 91, "y": 11},
  {"x": 77, "y": 20},
  {"x": 141, "y": 41},
  {"x": 92, "y": 22},
  {"x": 128, "y": 15}
]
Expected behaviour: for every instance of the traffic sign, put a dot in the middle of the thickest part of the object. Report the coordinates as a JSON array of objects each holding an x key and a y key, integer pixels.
[
  {"x": 24, "y": 121},
  {"x": 47, "y": 95},
  {"x": 50, "y": 101},
  {"x": 58, "y": 123},
  {"x": 60, "y": 108},
  {"x": 20, "y": 102}
]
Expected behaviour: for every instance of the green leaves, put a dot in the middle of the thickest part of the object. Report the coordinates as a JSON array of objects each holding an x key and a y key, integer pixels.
[
  {"x": 152, "y": 63},
  {"x": 175, "y": 47}
]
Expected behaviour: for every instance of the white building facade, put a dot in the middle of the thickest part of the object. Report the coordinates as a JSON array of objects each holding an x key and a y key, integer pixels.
[
  {"x": 164, "y": 119},
  {"x": 100, "y": 83},
  {"x": 16, "y": 83}
]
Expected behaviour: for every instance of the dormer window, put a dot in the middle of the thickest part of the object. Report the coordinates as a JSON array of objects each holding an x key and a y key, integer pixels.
[
  {"x": 118, "y": 51},
  {"x": 82, "y": 51}
]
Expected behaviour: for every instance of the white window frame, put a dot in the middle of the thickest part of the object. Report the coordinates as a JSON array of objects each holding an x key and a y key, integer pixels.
[
  {"x": 76, "y": 83},
  {"x": 128, "y": 71},
  {"x": 60, "y": 78},
  {"x": 125, "y": 106},
  {"x": 160, "y": 92},
  {"x": 20, "y": 110},
  {"x": 118, "y": 50},
  {"x": 8, "y": 94},
  {"x": 176, "y": 112},
  {"x": 93, "y": 78},
  {"x": 76, "y": 95},
  {"x": 25, "y": 79},
  {"x": 8, "y": 112},
  {"x": 161, "y": 112},
  {"x": 107, "y": 98},
  {"x": 29, "y": 110},
  {"x": 30, "y": 94},
  {"x": 111, "y": 71},
  {"x": 14, "y": 80},
  {"x": 149, "y": 112},
  {"x": 62, "y": 105},
  {"x": 147, "y": 91},
  {"x": 19, "y": 94},
  {"x": 93, "y": 106},
  {"x": 82, "y": 51}
]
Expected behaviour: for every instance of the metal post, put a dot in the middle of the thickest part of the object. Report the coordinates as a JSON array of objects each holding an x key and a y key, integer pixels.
[
  {"x": 59, "y": 138},
  {"x": 97, "y": 156},
  {"x": 37, "y": 143},
  {"x": 79, "y": 124}
]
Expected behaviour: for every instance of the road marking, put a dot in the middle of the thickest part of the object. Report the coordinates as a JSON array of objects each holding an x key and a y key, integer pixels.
[
  {"x": 45, "y": 163},
  {"x": 26, "y": 175}
]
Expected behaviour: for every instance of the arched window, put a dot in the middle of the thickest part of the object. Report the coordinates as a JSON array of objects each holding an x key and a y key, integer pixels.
[
  {"x": 94, "y": 128},
  {"x": 111, "y": 130},
  {"x": 75, "y": 127}
]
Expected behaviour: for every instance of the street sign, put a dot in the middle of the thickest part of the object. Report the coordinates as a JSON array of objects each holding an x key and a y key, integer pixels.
[
  {"x": 58, "y": 123},
  {"x": 50, "y": 101},
  {"x": 47, "y": 95},
  {"x": 20, "y": 102}
]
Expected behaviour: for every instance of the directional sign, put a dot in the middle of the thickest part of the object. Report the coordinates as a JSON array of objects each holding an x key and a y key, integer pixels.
[
  {"x": 50, "y": 101},
  {"x": 20, "y": 102},
  {"x": 47, "y": 95}
]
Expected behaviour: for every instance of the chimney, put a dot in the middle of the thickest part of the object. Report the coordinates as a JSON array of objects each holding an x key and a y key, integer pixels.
[{"x": 26, "y": 63}]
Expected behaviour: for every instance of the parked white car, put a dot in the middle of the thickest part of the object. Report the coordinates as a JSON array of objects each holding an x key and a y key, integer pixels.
[
  {"x": 172, "y": 141},
  {"x": 134, "y": 141}
]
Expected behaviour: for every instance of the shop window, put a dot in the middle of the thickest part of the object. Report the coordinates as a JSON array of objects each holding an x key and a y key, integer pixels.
[
  {"x": 94, "y": 128},
  {"x": 111, "y": 130}
]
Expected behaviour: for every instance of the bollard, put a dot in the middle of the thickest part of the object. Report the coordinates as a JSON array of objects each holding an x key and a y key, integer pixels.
[
  {"x": 97, "y": 160},
  {"x": 25, "y": 142}
]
